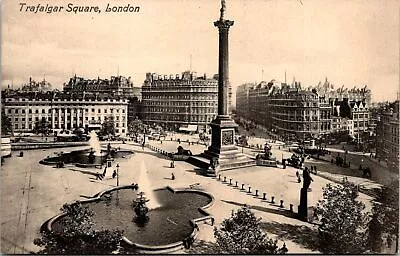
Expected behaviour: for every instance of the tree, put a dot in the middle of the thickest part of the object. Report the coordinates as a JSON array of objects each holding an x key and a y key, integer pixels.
[
  {"x": 77, "y": 235},
  {"x": 343, "y": 222},
  {"x": 6, "y": 128},
  {"x": 42, "y": 126},
  {"x": 136, "y": 127},
  {"x": 108, "y": 126},
  {"x": 242, "y": 234},
  {"x": 384, "y": 219}
]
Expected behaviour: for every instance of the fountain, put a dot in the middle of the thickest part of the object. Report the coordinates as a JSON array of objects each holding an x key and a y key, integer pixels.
[
  {"x": 93, "y": 157},
  {"x": 163, "y": 229},
  {"x": 145, "y": 187},
  {"x": 141, "y": 209},
  {"x": 95, "y": 143}
]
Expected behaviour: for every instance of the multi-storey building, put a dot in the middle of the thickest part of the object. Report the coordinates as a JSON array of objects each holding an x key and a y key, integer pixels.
[
  {"x": 354, "y": 94},
  {"x": 64, "y": 111},
  {"x": 286, "y": 110},
  {"x": 387, "y": 135},
  {"x": 116, "y": 86},
  {"x": 179, "y": 101},
  {"x": 342, "y": 124},
  {"x": 291, "y": 111},
  {"x": 356, "y": 111}
]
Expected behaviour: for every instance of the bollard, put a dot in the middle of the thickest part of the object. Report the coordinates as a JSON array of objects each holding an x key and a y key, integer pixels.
[
  {"x": 264, "y": 196},
  {"x": 219, "y": 177},
  {"x": 272, "y": 199},
  {"x": 224, "y": 179},
  {"x": 291, "y": 207},
  {"x": 256, "y": 192},
  {"x": 249, "y": 189},
  {"x": 230, "y": 181},
  {"x": 236, "y": 184},
  {"x": 242, "y": 186},
  {"x": 281, "y": 204}
]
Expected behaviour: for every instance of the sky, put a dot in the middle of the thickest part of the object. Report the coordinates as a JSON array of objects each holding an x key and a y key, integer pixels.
[{"x": 351, "y": 42}]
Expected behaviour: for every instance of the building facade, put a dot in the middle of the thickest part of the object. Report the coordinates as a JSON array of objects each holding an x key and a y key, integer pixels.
[
  {"x": 293, "y": 112},
  {"x": 179, "y": 101},
  {"x": 63, "y": 111},
  {"x": 387, "y": 136},
  {"x": 286, "y": 110},
  {"x": 115, "y": 86}
]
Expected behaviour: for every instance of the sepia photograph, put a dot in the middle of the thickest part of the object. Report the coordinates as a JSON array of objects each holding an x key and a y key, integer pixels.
[{"x": 199, "y": 127}]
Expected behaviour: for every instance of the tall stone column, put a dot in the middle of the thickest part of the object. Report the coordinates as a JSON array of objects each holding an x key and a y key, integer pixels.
[
  {"x": 223, "y": 66},
  {"x": 222, "y": 146}
]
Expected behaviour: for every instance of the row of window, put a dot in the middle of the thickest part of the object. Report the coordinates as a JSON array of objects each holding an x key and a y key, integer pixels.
[
  {"x": 43, "y": 111},
  {"x": 74, "y": 119},
  {"x": 180, "y": 110},
  {"x": 68, "y": 126}
]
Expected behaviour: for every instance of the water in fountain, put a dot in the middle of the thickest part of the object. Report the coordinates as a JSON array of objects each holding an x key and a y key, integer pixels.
[
  {"x": 95, "y": 143},
  {"x": 145, "y": 186}
]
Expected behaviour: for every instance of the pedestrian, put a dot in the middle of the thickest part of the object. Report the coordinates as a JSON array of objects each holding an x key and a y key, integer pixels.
[
  {"x": 212, "y": 221},
  {"x": 172, "y": 176},
  {"x": 105, "y": 171},
  {"x": 297, "y": 174},
  {"x": 114, "y": 174},
  {"x": 172, "y": 164}
]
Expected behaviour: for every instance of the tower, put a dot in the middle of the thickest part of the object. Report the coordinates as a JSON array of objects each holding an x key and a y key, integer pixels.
[{"x": 223, "y": 127}]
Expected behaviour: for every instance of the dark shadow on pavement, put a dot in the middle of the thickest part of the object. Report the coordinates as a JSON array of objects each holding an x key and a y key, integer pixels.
[
  {"x": 299, "y": 234},
  {"x": 198, "y": 171},
  {"x": 280, "y": 211}
]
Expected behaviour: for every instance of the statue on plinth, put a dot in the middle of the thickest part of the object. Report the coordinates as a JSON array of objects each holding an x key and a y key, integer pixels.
[
  {"x": 306, "y": 179},
  {"x": 141, "y": 209}
]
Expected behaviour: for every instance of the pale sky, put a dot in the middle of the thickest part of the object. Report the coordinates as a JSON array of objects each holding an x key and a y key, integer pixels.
[{"x": 352, "y": 42}]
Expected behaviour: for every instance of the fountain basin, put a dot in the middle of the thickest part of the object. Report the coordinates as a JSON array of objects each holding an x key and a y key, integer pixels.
[
  {"x": 169, "y": 225},
  {"x": 80, "y": 158}
]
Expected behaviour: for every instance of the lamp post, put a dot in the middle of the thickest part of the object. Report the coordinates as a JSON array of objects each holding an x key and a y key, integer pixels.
[{"x": 117, "y": 174}]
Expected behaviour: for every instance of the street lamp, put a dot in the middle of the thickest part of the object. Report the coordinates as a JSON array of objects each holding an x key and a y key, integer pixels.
[{"x": 117, "y": 174}]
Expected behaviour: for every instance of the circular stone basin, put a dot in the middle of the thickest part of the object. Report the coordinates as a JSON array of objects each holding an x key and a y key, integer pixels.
[
  {"x": 81, "y": 157},
  {"x": 170, "y": 223}
]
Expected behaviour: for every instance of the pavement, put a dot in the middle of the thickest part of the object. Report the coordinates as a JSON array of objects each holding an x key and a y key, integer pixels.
[{"x": 32, "y": 193}]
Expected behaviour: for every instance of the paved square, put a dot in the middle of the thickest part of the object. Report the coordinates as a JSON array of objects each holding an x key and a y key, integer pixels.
[{"x": 31, "y": 193}]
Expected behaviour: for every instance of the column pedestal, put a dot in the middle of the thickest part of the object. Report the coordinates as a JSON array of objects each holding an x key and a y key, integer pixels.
[
  {"x": 302, "y": 208},
  {"x": 223, "y": 148}
]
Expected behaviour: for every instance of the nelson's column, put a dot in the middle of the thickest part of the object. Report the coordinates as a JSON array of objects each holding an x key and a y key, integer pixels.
[{"x": 223, "y": 127}]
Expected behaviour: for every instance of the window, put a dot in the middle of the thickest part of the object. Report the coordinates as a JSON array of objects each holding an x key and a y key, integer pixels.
[
  {"x": 43, "y": 111},
  {"x": 23, "y": 111},
  {"x": 99, "y": 110},
  {"x": 16, "y": 111},
  {"x": 16, "y": 126}
]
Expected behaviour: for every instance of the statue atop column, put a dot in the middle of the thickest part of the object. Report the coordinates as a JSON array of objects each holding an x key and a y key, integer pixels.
[{"x": 222, "y": 10}]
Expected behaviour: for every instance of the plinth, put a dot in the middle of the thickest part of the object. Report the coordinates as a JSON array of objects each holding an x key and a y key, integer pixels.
[{"x": 302, "y": 208}]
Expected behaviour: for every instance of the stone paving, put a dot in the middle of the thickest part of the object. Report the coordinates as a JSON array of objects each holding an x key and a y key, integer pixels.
[{"x": 31, "y": 193}]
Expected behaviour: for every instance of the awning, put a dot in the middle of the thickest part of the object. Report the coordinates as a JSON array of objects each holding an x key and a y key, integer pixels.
[{"x": 189, "y": 128}]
